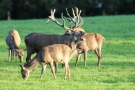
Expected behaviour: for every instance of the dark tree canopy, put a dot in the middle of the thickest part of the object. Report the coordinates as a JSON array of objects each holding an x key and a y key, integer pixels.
[{"x": 29, "y": 9}]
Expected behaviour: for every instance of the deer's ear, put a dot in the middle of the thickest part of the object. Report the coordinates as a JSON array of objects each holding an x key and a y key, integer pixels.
[{"x": 21, "y": 66}]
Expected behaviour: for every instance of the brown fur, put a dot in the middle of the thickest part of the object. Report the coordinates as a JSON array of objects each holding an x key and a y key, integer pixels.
[
  {"x": 52, "y": 55},
  {"x": 13, "y": 41},
  {"x": 36, "y": 41},
  {"x": 92, "y": 42}
]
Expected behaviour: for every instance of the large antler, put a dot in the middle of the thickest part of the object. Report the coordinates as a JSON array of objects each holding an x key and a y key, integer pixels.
[
  {"x": 52, "y": 18},
  {"x": 79, "y": 20}
]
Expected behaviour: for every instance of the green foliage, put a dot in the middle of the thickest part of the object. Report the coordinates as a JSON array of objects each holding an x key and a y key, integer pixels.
[{"x": 117, "y": 70}]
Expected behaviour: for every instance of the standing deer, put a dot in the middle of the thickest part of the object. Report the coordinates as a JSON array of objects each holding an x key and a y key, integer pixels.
[
  {"x": 36, "y": 41},
  {"x": 13, "y": 41},
  {"x": 53, "y": 54},
  {"x": 92, "y": 42}
]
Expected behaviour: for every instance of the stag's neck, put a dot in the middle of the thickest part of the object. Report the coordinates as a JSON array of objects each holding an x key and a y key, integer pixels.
[
  {"x": 65, "y": 39},
  {"x": 32, "y": 64}
]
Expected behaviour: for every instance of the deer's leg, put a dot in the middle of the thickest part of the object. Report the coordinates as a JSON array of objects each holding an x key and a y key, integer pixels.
[
  {"x": 67, "y": 71},
  {"x": 12, "y": 54},
  {"x": 85, "y": 57},
  {"x": 77, "y": 58},
  {"x": 16, "y": 54},
  {"x": 9, "y": 54},
  {"x": 52, "y": 69},
  {"x": 29, "y": 53},
  {"x": 56, "y": 67},
  {"x": 43, "y": 69},
  {"x": 99, "y": 54}
]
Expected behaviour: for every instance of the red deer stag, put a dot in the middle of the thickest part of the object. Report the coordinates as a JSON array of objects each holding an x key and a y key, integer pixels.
[
  {"x": 13, "y": 41},
  {"x": 92, "y": 42},
  {"x": 36, "y": 41},
  {"x": 53, "y": 54}
]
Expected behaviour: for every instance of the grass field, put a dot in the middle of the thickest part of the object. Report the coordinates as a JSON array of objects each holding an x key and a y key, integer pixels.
[{"x": 117, "y": 70}]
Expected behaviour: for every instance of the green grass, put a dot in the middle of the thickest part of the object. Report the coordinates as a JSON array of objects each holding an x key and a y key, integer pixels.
[{"x": 117, "y": 70}]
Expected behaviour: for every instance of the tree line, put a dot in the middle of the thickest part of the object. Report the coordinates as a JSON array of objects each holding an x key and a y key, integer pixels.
[{"x": 29, "y": 9}]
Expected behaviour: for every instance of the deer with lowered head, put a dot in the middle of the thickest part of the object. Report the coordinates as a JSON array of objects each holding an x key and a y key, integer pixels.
[
  {"x": 53, "y": 54},
  {"x": 36, "y": 41},
  {"x": 92, "y": 42},
  {"x": 13, "y": 41}
]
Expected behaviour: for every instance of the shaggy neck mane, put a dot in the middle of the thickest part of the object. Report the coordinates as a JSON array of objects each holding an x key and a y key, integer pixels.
[{"x": 66, "y": 39}]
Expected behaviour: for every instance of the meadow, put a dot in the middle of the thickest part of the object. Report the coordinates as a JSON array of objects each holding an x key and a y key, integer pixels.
[{"x": 117, "y": 70}]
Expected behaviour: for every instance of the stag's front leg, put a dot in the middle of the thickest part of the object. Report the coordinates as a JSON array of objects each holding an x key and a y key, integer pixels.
[
  {"x": 29, "y": 53},
  {"x": 43, "y": 69}
]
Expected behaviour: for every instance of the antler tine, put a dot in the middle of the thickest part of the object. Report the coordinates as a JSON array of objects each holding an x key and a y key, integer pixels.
[
  {"x": 73, "y": 13},
  {"x": 72, "y": 19},
  {"x": 52, "y": 18},
  {"x": 81, "y": 22},
  {"x": 66, "y": 28},
  {"x": 79, "y": 17}
]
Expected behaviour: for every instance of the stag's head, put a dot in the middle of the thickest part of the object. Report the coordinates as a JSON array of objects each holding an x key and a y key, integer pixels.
[
  {"x": 25, "y": 72},
  {"x": 75, "y": 36},
  {"x": 76, "y": 19}
]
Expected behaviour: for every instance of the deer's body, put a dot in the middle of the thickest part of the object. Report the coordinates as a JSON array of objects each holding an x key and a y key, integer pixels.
[
  {"x": 53, "y": 54},
  {"x": 13, "y": 41},
  {"x": 36, "y": 41},
  {"x": 50, "y": 55},
  {"x": 92, "y": 42}
]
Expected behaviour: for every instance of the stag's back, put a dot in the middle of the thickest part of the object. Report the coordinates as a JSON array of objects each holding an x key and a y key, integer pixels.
[{"x": 13, "y": 39}]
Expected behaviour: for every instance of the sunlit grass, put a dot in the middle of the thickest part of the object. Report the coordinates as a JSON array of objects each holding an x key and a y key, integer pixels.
[{"x": 117, "y": 70}]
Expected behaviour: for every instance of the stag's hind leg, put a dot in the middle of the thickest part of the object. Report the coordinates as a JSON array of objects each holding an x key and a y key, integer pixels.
[{"x": 99, "y": 54}]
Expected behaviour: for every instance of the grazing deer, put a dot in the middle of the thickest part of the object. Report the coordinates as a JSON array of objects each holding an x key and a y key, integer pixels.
[
  {"x": 13, "y": 41},
  {"x": 53, "y": 54},
  {"x": 92, "y": 42},
  {"x": 36, "y": 41}
]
